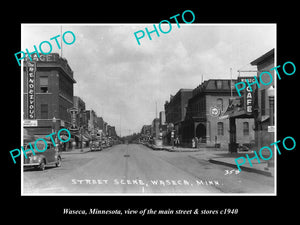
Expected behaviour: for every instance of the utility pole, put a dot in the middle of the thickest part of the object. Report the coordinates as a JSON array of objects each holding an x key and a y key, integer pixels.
[
  {"x": 230, "y": 82},
  {"x": 155, "y": 109}
]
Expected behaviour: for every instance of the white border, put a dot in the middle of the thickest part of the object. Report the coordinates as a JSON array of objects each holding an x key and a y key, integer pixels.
[{"x": 150, "y": 194}]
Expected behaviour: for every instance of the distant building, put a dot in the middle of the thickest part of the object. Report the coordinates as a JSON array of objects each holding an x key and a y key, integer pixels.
[
  {"x": 100, "y": 123},
  {"x": 111, "y": 131},
  {"x": 175, "y": 110},
  {"x": 79, "y": 104},
  {"x": 82, "y": 122},
  {"x": 146, "y": 130},
  {"x": 92, "y": 121}
]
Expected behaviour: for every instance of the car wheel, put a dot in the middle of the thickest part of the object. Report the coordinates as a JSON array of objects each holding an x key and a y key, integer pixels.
[
  {"x": 58, "y": 162},
  {"x": 42, "y": 166}
]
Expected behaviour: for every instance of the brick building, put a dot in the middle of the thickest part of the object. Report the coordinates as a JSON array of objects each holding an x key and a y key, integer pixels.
[
  {"x": 262, "y": 113},
  {"x": 203, "y": 120},
  {"x": 47, "y": 93},
  {"x": 175, "y": 111}
]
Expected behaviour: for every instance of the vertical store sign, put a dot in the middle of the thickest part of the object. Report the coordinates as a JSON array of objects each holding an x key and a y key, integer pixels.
[
  {"x": 247, "y": 94},
  {"x": 31, "y": 69},
  {"x": 73, "y": 112}
]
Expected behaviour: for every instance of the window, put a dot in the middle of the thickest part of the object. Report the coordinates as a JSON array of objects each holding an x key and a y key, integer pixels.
[
  {"x": 219, "y": 84},
  {"x": 263, "y": 102},
  {"x": 246, "y": 128},
  {"x": 44, "y": 84},
  {"x": 44, "y": 111},
  {"x": 220, "y": 129},
  {"x": 220, "y": 103}
]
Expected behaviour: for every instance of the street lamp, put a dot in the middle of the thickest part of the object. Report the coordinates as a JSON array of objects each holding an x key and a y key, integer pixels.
[
  {"x": 53, "y": 127},
  {"x": 53, "y": 124}
]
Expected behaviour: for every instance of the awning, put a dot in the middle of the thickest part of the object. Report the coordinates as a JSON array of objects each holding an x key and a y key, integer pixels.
[
  {"x": 84, "y": 138},
  {"x": 235, "y": 110},
  {"x": 264, "y": 118}
]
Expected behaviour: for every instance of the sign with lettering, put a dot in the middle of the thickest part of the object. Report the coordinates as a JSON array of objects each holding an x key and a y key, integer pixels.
[
  {"x": 31, "y": 69},
  {"x": 73, "y": 112},
  {"x": 30, "y": 123},
  {"x": 248, "y": 95},
  {"x": 52, "y": 57}
]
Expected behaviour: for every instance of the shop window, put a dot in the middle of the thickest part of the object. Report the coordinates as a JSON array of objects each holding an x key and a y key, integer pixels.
[{"x": 220, "y": 129}]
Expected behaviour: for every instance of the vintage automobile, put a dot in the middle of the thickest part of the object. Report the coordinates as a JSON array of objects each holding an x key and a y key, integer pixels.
[
  {"x": 40, "y": 160},
  {"x": 95, "y": 145}
]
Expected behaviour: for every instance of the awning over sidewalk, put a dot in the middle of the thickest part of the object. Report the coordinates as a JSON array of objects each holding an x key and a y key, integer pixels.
[{"x": 235, "y": 109}]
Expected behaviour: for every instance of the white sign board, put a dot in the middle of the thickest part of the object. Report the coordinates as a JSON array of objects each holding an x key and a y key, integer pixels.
[
  {"x": 271, "y": 128},
  {"x": 30, "y": 123}
]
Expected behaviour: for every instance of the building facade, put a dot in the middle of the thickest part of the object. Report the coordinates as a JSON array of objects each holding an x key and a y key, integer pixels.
[
  {"x": 48, "y": 93},
  {"x": 203, "y": 120},
  {"x": 92, "y": 121},
  {"x": 263, "y": 114},
  {"x": 175, "y": 111},
  {"x": 79, "y": 104}
]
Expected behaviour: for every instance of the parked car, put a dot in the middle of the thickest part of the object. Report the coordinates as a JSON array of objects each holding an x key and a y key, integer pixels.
[
  {"x": 96, "y": 145},
  {"x": 243, "y": 147},
  {"x": 40, "y": 160}
]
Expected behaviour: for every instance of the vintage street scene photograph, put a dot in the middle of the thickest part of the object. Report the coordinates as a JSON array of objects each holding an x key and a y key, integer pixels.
[{"x": 148, "y": 109}]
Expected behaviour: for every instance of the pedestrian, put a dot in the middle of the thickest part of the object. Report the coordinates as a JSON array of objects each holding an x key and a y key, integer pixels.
[
  {"x": 199, "y": 142},
  {"x": 193, "y": 143},
  {"x": 177, "y": 142},
  {"x": 196, "y": 142}
]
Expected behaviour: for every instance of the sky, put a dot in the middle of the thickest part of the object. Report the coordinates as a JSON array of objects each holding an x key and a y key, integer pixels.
[{"x": 122, "y": 81}]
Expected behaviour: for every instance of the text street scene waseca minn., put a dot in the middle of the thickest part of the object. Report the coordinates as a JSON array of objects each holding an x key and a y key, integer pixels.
[{"x": 157, "y": 116}]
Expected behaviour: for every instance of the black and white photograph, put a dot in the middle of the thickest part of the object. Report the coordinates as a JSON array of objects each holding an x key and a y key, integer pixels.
[{"x": 149, "y": 109}]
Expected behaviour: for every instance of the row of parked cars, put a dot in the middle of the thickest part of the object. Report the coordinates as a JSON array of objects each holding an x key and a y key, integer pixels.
[
  {"x": 51, "y": 156},
  {"x": 98, "y": 145}
]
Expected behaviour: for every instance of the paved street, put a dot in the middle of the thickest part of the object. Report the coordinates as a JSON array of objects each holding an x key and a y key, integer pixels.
[{"x": 137, "y": 169}]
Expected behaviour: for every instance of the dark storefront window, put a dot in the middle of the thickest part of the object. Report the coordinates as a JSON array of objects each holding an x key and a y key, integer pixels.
[{"x": 44, "y": 111}]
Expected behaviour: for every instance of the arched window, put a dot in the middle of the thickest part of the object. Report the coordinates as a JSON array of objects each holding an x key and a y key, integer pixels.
[
  {"x": 246, "y": 128},
  {"x": 220, "y": 103},
  {"x": 220, "y": 129}
]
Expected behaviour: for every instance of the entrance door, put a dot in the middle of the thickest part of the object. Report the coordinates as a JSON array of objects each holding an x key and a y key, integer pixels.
[{"x": 201, "y": 132}]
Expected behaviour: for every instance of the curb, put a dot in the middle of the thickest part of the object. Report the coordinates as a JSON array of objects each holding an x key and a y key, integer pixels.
[
  {"x": 248, "y": 169},
  {"x": 174, "y": 150},
  {"x": 169, "y": 150},
  {"x": 70, "y": 152}
]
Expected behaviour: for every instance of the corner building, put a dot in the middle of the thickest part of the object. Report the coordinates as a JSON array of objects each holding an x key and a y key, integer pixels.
[
  {"x": 203, "y": 120},
  {"x": 48, "y": 93}
]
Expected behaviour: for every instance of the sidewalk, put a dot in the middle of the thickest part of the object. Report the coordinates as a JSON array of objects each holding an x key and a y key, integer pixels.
[
  {"x": 228, "y": 159},
  {"x": 76, "y": 151},
  {"x": 223, "y": 157}
]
